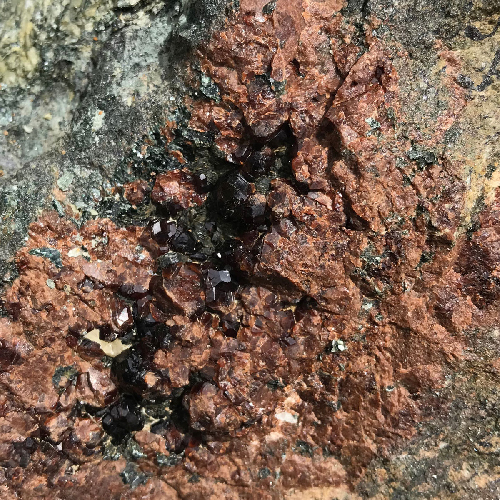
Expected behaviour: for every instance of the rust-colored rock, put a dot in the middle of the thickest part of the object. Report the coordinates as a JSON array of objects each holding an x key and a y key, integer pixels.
[
  {"x": 176, "y": 189},
  {"x": 180, "y": 289},
  {"x": 135, "y": 192},
  {"x": 304, "y": 342}
]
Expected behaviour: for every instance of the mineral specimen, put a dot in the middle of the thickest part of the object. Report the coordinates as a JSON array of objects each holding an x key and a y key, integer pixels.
[{"x": 291, "y": 304}]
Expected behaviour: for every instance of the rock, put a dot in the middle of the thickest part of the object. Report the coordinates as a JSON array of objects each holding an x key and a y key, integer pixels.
[
  {"x": 210, "y": 411},
  {"x": 264, "y": 255},
  {"x": 135, "y": 192},
  {"x": 180, "y": 287},
  {"x": 176, "y": 189},
  {"x": 123, "y": 418}
]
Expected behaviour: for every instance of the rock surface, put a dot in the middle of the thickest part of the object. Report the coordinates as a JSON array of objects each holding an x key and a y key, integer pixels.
[{"x": 263, "y": 253}]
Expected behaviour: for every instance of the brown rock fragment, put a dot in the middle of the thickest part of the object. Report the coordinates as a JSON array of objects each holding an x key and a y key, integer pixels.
[
  {"x": 211, "y": 411},
  {"x": 135, "y": 192},
  {"x": 180, "y": 288},
  {"x": 176, "y": 189}
]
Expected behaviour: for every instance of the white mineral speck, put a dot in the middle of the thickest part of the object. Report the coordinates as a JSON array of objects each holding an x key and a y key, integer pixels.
[{"x": 284, "y": 416}]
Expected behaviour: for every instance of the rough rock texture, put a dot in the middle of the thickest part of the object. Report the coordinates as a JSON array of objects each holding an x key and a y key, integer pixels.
[{"x": 287, "y": 288}]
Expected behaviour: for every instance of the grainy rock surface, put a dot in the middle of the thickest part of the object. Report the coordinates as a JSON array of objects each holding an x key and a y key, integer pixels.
[{"x": 251, "y": 250}]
